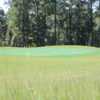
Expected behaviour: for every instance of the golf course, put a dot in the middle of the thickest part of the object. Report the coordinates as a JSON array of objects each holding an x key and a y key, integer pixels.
[{"x": 50, "y": 73}]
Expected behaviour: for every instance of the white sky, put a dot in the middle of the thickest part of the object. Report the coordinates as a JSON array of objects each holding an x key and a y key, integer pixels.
[{"x": 5, "y": 6}]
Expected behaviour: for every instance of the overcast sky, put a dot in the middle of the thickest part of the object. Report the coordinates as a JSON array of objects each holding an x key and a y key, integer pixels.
[{"x": 5, "y": 6}]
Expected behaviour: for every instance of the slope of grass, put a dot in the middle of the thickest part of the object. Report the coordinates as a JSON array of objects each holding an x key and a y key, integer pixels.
[
  {"x": 50, "y": 73},
  {"x": 49, "y": 51}
]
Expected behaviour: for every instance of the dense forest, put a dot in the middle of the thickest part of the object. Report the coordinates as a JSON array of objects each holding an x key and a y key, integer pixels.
[{"x": 31, "y": 23}]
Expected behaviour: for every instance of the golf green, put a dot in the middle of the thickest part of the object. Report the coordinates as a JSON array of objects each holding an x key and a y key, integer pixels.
[{"x": 48, "y": 51}]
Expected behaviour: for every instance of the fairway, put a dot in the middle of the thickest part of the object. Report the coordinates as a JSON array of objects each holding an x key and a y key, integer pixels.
[{"x": 50, "y": 73}]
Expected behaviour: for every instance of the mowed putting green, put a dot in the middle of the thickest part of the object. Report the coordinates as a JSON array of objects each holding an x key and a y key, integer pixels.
[{"x": 50, "y": 73}]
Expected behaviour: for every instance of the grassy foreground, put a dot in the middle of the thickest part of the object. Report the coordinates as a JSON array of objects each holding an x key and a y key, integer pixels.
[{"x": 50, "y": 73}]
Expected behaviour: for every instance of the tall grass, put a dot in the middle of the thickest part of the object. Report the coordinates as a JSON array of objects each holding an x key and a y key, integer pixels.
[{"x": 50, "y": 78}]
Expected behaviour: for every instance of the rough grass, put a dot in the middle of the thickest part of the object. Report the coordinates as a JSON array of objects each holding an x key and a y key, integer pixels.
[{"x": 57, "y": 77}]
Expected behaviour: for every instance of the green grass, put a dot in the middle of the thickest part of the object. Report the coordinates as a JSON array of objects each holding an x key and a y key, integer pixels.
[{"x": 50, "y": 73}]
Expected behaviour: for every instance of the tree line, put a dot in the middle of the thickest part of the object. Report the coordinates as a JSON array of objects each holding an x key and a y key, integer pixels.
[{"x": 31, "y": 23}]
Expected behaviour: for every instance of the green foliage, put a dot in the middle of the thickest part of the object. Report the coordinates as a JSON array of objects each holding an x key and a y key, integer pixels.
[
  {"x": 3, "y": 27},
  {"x": 51, "y": 22}
]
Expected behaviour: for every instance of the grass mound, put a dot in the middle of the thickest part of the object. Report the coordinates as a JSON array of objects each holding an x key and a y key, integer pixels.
[{"x": 49, "y": 51}]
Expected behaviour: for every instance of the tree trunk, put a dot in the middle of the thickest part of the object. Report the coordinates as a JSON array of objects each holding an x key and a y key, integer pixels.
[
  {"x": 90, "y": 24},
  {"x": 55, "y": 22}
]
